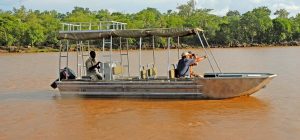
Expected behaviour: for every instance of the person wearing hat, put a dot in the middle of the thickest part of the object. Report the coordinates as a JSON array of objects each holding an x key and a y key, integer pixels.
[{"x": 184, "y": 64}]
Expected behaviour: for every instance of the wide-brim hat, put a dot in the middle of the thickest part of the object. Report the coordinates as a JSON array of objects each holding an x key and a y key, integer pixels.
[{"x": 184, "y": 54}]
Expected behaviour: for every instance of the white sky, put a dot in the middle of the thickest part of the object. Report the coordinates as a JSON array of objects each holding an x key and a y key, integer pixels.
[{"x": 129, "y": 6}]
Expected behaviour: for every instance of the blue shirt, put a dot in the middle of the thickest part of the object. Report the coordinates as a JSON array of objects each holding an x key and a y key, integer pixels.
[{"x": 183, "y": 66}]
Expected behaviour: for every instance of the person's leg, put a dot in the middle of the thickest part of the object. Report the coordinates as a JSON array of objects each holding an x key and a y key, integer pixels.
[
  {"x": 99, "y": 77},
  {"x": 94, "y": 77}
]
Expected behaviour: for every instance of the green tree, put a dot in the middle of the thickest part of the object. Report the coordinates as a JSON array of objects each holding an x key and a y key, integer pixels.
[
  {"x": 173, "y": 20},
  {"x": 7, "y": 25},
  {"x": 234, "y": 13},
  {"x": 80, "y": 14},
  {"x": 296, "y": 27},
  {"x": 229, "y": 32},
  {"x": 103, "y": 15},
  {"x": 281, "y": 29},
  {"x": 256, "y": 25},
  {"x": 20, "y": 13},
  {"x": 148, "y": 18},
  {"x": 282, "y": 13},
  {"x": 186, "y": 10},
  {"x": 33, "y": 27},
  {"x": 51, "y": 25},
  {"x": 35, "y": 31},
  {"x": 200, "y": 18}
]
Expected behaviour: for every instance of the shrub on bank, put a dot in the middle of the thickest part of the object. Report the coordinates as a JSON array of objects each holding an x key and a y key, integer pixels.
[{"x": 16, "y": 49}]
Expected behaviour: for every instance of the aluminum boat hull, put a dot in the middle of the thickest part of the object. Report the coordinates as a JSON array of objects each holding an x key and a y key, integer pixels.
[{"x": 212, "y": 86}]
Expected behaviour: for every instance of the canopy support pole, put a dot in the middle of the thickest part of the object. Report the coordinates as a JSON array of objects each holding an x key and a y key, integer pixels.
[
  {"x": 205, "y": 52},
  {"x": 127, "y": 47},
  {"x": 140, "y": 57},
  {"x": 169, "y": 44},
  {"x": 110, "y": 59},
  {"x": 178, "y": 43},
  {"x": 153, "y": 48},
  {"x": 103, "y": 50},
  {"x": 77, "y": 58},
  {"x": 211, "y": 52},
  {"x": 121, "y": 57},
  {"x": 82, "y": 59},
  {"x": 62, "y": 48},
  {"x": 68, "y": 45},
  {"x": 59, "y": 63}
]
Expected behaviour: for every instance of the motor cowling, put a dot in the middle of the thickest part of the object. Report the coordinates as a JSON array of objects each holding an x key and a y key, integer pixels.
[{"x": 66, "y": 73}]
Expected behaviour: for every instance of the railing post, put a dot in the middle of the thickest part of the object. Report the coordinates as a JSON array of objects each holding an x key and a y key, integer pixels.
[
  {"x": 153, "y": 47},
  {"x": 169, "y": 44},
  {"x": 110, "y": 59},
  {"x": 59, "y": 63},
  {"x": 178, "y": 44},
  {"x": 140, "y": 57}
]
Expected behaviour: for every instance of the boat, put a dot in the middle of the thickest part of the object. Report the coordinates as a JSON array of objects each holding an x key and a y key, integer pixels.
[{"x": 214, "y": 85}]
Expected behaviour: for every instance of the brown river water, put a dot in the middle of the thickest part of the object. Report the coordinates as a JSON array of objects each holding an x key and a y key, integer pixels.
[{"x": 30, "y": 109}]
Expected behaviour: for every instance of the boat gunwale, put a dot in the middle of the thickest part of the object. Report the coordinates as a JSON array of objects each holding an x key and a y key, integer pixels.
[{"x": 177, "y": 80}]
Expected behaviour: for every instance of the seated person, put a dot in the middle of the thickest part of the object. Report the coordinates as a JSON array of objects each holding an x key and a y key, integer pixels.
[
  {"x": 184, "y": 64},
  {"x": 92, "y": 67}
]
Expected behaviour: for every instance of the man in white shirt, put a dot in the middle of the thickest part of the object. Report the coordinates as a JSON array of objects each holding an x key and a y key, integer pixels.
[{"x": 92, "y": 67}]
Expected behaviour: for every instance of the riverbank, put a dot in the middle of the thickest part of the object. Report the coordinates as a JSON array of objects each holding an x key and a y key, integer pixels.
[
  {"x": 281, "y": 44},
  {"x": 15, "y": 49}
]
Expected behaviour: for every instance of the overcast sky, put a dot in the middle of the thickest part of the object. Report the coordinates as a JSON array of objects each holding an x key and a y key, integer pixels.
[{"x": 129, "y": 6}]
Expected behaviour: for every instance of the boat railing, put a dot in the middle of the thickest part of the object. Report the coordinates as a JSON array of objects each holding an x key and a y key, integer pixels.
[
  {"x": 101, "y": 25},
  {"x": 83, "y": 47}
]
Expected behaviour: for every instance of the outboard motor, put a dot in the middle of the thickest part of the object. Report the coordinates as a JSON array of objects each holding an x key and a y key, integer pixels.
[{"x": 66, "y": 73}]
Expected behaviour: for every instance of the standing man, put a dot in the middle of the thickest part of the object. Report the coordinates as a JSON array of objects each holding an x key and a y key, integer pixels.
[
  {"x": 92, "y": 67},
  {"x": 184, "y": 64}
]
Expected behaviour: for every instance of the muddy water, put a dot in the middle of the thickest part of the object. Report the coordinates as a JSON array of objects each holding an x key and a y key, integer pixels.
[{"x": 29, "y": 109}]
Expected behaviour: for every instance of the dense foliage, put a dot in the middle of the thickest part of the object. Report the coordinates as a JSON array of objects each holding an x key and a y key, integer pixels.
[{"x": 22, "y": 27}]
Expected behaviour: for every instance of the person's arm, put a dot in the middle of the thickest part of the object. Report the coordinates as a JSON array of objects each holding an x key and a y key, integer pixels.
[
  {"x": 95, "y": 66},
  {"x": 199, "y": 59}
]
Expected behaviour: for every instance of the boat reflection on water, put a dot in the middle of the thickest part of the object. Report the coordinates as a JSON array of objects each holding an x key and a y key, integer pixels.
[{"x": 188, "y": 119}]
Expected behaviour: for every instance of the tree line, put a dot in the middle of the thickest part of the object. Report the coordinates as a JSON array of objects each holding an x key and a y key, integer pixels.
[{"x": 26, "y": 27}]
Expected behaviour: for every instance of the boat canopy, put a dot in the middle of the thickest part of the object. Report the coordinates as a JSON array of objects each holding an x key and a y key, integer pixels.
[{"x": 127, "y": 33}]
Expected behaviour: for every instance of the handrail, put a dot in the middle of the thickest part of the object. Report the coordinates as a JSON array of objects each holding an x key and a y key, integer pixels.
[
  {"x": 205, "y": 51},
  {"x": 209, "y": 49},
  {"x": 79, "y": 26}
]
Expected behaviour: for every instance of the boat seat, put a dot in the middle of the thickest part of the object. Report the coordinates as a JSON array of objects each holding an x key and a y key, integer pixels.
[
  {"x": 152, "y": 72},
  {"x": 143, "y": 73},
  {"x": 172, "y": 72},
  {"x": 117, "y": 70}
]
